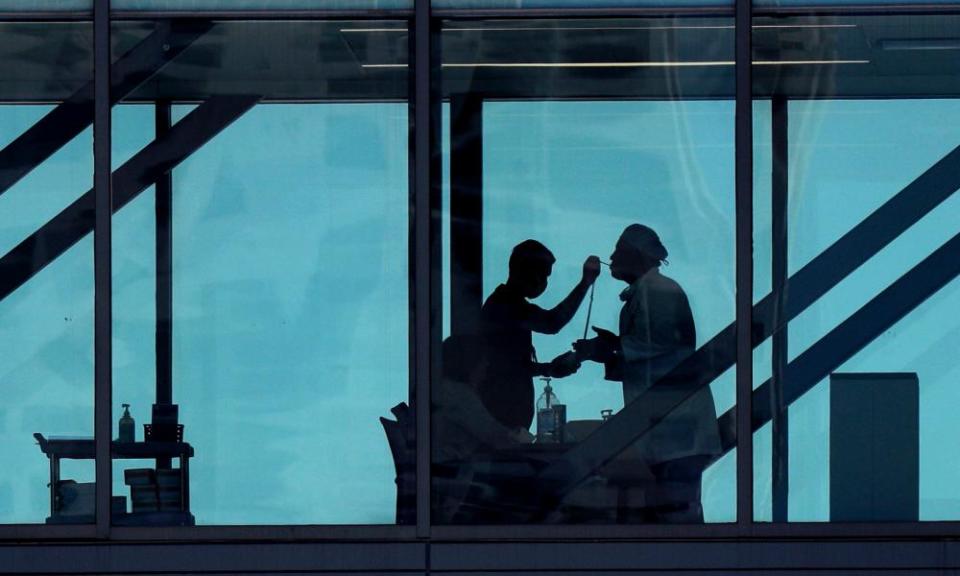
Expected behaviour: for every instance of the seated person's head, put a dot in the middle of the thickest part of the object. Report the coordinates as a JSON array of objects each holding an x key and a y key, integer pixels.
[
  {"x": 639, "y": 249},
  {"x": 531, "y": 263}
]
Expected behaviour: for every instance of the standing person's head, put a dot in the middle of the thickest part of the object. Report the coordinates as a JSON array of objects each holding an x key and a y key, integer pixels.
[
  {"x": 531, "y": 263},
  {"x": 638, "y": 250}
]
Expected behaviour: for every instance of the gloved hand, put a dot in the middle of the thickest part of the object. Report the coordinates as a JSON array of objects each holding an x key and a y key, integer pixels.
[
  {"x": 602, "y": 348},
  {"x": 563, "y": 365},
  {"x": 591, "y": 269}
]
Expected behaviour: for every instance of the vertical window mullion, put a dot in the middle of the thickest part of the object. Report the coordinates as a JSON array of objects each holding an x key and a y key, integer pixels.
[
  {"x": 424, "y": 256},
  {"x": 743, "y": 151},
  {"x": 102, "y": 264}
]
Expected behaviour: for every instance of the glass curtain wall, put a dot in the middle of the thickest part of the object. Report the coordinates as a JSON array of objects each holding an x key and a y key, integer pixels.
[
  {"x": 46, "y": 271},
  {"x": 226, "y": 6},
  {"x": 565, "y": 4},
  {"x": 857, "y": 257},
  {"x": 588, "y": 222},
  {"x": 261, "y": 261},
  {"x": 261, "y": 273}
]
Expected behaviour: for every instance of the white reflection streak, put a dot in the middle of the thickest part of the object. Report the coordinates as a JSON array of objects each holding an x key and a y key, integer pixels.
[
  {"x": 689, "y": 64},
  {"x": 600, "y": 29}
]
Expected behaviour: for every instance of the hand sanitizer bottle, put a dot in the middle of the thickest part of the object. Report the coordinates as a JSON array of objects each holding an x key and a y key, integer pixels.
[
  {"x": 127, "y": 426},
  {"x": 547, "y": 425}
]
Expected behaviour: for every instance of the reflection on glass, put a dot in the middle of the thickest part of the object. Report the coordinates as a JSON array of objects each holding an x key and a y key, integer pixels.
[
  {"x": 860, "y": 225},
  {"x": 258, "y": 5},
  {"x": 261, "y": 312},
  {"x": 587, "y": 358},
  {"x": 46, "y": 6},
  {"x": 574, "y": 4},
  {"x": 46, "y": 273}
]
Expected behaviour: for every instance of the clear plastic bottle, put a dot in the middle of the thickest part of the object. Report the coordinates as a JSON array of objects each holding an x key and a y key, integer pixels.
[{"x": 548, "y": 425}]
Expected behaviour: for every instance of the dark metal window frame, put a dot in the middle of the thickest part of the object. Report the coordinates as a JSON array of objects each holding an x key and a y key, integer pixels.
[{"x": 425, "y": 322}]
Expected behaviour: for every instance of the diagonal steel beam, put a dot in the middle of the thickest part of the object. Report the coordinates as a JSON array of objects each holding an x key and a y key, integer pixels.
[
  {"x": 76, "y": 221},
  {"x": 711, "y": 360},
  {"x": 857, "y": 331},
  {"x": 863, "y": 241},
  {"x": 70, "y": 118}
]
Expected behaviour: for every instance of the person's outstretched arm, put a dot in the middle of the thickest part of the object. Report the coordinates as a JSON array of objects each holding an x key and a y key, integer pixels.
[
  {"x": 553, "y": 320},
  {"x": 560, "y": 367}
]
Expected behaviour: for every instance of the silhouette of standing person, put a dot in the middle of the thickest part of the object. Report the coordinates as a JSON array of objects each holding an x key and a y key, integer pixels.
[
  {"x": 657, "y": 332},
  {"x": 507, "y": 323}
]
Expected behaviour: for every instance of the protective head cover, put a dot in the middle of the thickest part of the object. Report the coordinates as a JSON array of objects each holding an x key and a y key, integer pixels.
[{"x": 645, "y": 240}]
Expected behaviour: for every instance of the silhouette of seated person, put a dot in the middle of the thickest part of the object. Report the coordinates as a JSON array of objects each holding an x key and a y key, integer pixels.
[
  {"x": 464, "y": 432},
  {"x": 462, "y": 425},
  {"x": 508, "y": 320},
  {"x": 657, "y": 333}
]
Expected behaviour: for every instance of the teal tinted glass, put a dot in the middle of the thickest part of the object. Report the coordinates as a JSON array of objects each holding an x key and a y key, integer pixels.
[
  {"x": 46, "y": 272},
  {"x": 258, "y": 5},
  {"x": 574, "y": 4},
  {"x": 532, "y": 189},
  {"x": 278, "y": 249},
  {"x": 46, "y": 6},
  {"x": 856, "y": 169},
  {"x": 608, "y": 4},
  {"x": 134, "y": 292}
]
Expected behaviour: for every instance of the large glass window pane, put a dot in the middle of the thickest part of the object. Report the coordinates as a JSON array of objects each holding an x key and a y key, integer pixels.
[
  {"x": 46, "y": 272},
  {"x": 857, "y": 219},
  {"x": 258, "y": 5},
  {"x": 851, "y": 3},
  {"x": 260, "y": 306},
  {"x": 46, "y": 6},
  {"x": 563, "y": 140},
  {"x": 569, "y": 4}
]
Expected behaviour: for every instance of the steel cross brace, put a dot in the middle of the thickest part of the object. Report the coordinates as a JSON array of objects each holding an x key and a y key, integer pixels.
[
  {"x": 77, "y": 220},
  {"x": 68, "y": 119}
]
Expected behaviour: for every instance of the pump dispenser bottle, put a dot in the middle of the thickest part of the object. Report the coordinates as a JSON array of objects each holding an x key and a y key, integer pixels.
[
  {"x": 548, "y": 426},
  {"x": 127, "y": 426}
]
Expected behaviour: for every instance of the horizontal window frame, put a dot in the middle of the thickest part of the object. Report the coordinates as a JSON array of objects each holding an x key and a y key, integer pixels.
[
  {"x": 751, "y": 529},
  {"x": 934, "y": 530},
  {"x": 897, "y": 557}
]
